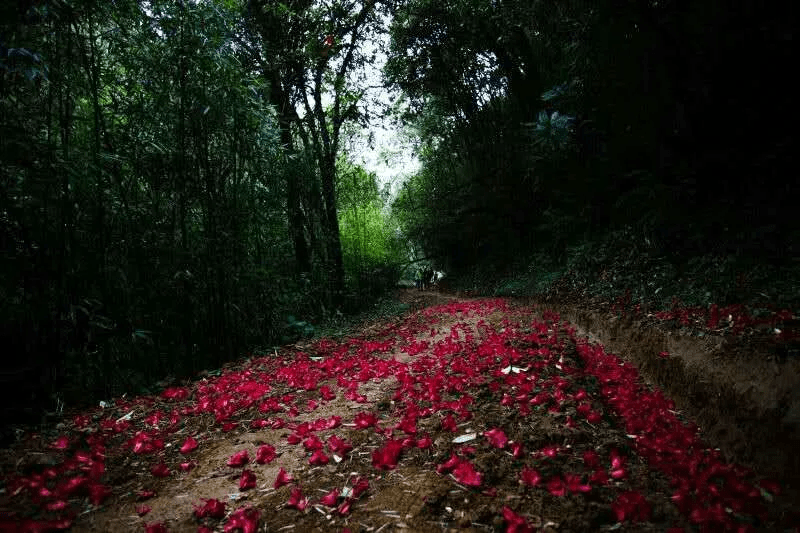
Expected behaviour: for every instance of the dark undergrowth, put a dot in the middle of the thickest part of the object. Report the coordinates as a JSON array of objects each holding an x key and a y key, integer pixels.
[{"x": 626, "y": 268}]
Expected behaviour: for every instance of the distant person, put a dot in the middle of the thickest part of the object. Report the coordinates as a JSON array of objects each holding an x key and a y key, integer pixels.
[{"x": 418, "y": 279}]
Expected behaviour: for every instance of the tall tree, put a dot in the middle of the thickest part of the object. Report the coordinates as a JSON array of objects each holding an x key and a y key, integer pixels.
[
  {"x": 316, "y": 92},
  {"x": 553, "y": 121},
  {"x": 143, "y": 227},
  {"x": 280, "y": 34}
]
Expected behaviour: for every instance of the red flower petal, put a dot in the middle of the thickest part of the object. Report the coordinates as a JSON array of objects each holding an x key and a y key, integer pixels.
[
  {"x": 591, "y": 459},
  {"x": 424, "y": 443},
  {"x": 318, "y": 458},
  {"x": 365, "y": 420},
  {"x": 466, "y": 474},
  {"x": 239, "y": 459},
  {"x": 213, "y": 508},
  {"x": 574, "y": 484},
  {"x": 326, "y": 393},
  {"x": 160, "y": 470},
  {"x": 344, "y": 507},
  {"x": 282, "y": 479},
  {"x": 188, "y": 445},
  {"x": 330, "y": 499},
  {"x": 631, "y": 506},
  {"x": 327, "y": 423},
  {"x": 98, "y": 493},
  {"x": 497, "y": 438},
  {"x": 259, "y": 423},
  {"x": 175, "y": 393},
  {"x": 448, "y": 465},
  {"x": 408, "y": 425},
  {"x": 61, "y": 443},
  {"x": 297, "y": 500},
  {"x": 338, "y": 445},
  {"x": 245, "y": 519},
  {"x": 312, "y": 442},
  {"x": 515, "y": 523},
  {"x": 516, "y": 450},
  {"x": 386, "y": 457},
  {"x": 550, "y": 451},
  {"x": 248, "y": 480},
  {"x": 360, "y": 484},
  {"x": 449, "y": 423},
  {"x": 142, "y": 510},
  {"x": 265, "y": 454},
  {"x": 530, "y": 476},
  {"x": 57, "y": 505},
  {"x": 556, "y": 487}
]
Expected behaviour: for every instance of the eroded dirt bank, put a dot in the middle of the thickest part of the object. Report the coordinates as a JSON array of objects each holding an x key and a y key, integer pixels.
[
  {"x": 471, "y": 415},
  {"x": 745, "y": 399}
]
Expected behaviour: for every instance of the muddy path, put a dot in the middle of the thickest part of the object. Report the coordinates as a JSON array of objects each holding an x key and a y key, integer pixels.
[
  {"x": 737, "y": 388},
  {"x": 463, "y": 414}
]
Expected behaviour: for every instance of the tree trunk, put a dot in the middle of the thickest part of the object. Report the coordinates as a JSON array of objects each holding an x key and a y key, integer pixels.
[
  {"x": 332, "y": 237},
  {"x": 294, "y": 185}
]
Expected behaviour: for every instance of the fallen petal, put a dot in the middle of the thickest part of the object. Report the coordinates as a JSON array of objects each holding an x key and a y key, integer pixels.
[
  {"x": 213, "y": 508},
  {"x": 331, "y": 498},
  {"x": 282, "y": 479},
  {"x": 497, "y": 437},
  {"x": 248, "y": 480},
  {"x": 265, "y": 454},
  {"x": 239, "y": 459},
  {"x": 188, "y": 445},
  {"x": 245, "y": 519},
  {"x": 160, "y": 470},
  {"x": 297, "y": 500}
]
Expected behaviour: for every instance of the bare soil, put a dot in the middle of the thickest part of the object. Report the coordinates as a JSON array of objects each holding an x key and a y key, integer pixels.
[{"x": 460, "y": 366}]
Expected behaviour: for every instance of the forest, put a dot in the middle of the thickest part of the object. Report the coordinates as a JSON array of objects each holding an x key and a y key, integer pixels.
[{"x": 180, "y": 182}]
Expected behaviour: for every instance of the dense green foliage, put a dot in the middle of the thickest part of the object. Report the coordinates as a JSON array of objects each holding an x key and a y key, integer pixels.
[
  {"x": 371, "y": 241},
  {"x": 174, "y": 188},
  {"x": 167, "y": 188},
  {"x": 562, "y": 136}
]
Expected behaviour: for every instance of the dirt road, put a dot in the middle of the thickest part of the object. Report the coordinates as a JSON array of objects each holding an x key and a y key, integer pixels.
[{"x": 469, "y": 415}]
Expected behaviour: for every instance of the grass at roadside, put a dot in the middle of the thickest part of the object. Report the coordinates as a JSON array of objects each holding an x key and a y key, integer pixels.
[{"x": 626, "y": 272}]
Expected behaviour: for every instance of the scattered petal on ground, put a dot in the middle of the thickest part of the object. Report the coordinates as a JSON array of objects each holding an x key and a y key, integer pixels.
[{"x": 518, "y": 414}]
